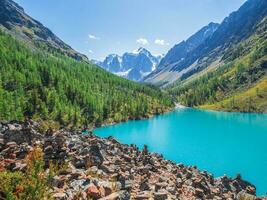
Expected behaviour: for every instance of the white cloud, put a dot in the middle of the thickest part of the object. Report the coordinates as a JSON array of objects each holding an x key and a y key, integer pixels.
[
  {"x": 90, "y": 51},
  {"x": 142, "y": 41},
  {"x": 93, "y": 37},
  {"x": 161, "y": 42}
]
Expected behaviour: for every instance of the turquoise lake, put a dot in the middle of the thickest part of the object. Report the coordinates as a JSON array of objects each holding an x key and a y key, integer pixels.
[{"x": 219, "y": 142}]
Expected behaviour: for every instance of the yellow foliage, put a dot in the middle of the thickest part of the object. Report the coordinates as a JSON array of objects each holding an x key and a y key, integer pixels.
[
  {"x": 48, "y": 124},
  {"x": 33, "y": 185}
]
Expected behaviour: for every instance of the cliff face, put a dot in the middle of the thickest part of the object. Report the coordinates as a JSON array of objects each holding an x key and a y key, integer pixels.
[{"x": 103, "y": 168}]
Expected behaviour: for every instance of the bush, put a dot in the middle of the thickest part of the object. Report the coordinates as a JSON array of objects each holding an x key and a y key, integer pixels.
[
  {"x": 48, "y": 125},
  {"x": 33, "y": 185},
  {"x": 10, "y": 185}
]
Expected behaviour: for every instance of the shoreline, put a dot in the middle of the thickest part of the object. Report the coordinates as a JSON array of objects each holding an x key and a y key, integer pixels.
[
  {"x": 204, "y": 108},
  {"x": 143, "y": 118},
  {"x": 110, "y": 170},
  {"x": 178, "y": 105},
  {"x": 123, "y": 129}
]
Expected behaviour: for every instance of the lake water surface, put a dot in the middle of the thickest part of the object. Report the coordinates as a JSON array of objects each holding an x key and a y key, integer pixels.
[{"x": 219, "y": 142}]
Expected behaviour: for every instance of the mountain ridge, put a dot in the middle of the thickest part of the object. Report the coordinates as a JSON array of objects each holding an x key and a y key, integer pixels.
[
  {"x": 233, "y": 29},
  {"x": 131, "y": 65},
  {"x": 181, "y": 50},
  {"x": 191, "y": 43},
  {"x": 14, "y": 20}
]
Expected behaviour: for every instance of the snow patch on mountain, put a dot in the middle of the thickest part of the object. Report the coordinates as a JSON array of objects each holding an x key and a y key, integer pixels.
[{"x": 133, "y": 65}]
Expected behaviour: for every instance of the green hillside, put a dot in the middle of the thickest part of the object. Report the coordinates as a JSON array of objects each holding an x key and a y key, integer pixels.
[
  {"x": 244, "y": 71},
  {"x": 38, "y": 84},
  {"x": 253, "y": 99}
]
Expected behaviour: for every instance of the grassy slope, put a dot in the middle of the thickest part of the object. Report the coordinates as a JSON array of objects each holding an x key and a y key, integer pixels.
[
  {"x": 244, "y": 71},
  {"x": 253, "y": 99}
]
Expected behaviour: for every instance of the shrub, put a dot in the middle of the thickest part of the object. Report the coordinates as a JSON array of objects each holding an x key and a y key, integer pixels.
[
  {"x": 10, "y": 185},
  {"x": 33, "y": 185}
]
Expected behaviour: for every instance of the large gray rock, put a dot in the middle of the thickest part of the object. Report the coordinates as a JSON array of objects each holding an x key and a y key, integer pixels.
[
  {"x": 245, "y": 196},
  {"x": 161, "y": 195},
  {"x": 96, "y": 158},
  {"x": 121, "y": 195},
  {"x": 24, "y": 135}
]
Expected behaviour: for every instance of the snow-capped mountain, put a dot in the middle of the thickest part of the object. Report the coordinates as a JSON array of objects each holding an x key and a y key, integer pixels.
[{"x": 134, "y": 66}]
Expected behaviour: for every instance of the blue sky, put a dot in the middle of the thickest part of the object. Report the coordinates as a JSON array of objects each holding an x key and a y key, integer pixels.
[{"x": 100, "y": 27}]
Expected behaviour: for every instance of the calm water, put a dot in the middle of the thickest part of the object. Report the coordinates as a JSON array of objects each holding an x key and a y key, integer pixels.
[{"x": 222, "y": 143}]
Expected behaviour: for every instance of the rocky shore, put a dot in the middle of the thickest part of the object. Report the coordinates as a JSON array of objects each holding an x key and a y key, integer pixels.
[{"x": 97, "y": 168}]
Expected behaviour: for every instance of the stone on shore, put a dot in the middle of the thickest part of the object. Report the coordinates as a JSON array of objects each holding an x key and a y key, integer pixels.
[{"x": 98, "y": 168}]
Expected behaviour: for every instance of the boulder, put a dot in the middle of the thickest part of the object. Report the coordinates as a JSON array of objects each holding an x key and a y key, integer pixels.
[
  {"x": 144, "y": 185},
  {"x": 21, "y": 136},
  {"x": 58, "y": 182},
  {"x": 199, "y": 193},
  {"x": 105, "y": 191},
  {"x": 78, "y": 184},
  {"x": 96, "y": 158},
  {"x": 79, "y": 163},
  {"x": 160, "y": 185},
  {"x": 11, "y": 144},
  {"x": 161, "y": 195},
  {"x": 105, "y": 188},
  {"x": 128, "y": 185},
  {"x": 120, "y": 195},
  {"x": 245, "y": 196},
  {"x": 93, "y": 192},
  {"x": 20, "y": 167},
  {"x": 60, "y": 196},
  {"x": 23, "y": 151},
  {"x": 251, "y": 190},
  {"x": 142, "y": 196}
]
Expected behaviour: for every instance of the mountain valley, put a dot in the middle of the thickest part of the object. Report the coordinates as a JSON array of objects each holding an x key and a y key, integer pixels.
[{"x": 135, "y": 126}]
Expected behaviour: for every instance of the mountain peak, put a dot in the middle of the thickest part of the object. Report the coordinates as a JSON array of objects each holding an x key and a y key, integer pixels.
[
  {"x": 141, "y": 50},
  {"x": 210, "y": 43},
  {"x": 113, "y": 55},
  {"x": 179, "y": 51},
  {"x": 134, "y": 66},
  {"x": 213, "y": 24}
]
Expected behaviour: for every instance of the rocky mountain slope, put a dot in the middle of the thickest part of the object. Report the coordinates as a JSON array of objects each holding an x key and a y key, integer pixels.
[
  {"x": 236, "y": 27},
  {"x": 134, "y": 66},
  {"x": 179, "y": 52},
  {"x": 14, "y": 20},
  {"x": 96, "y": 168}
]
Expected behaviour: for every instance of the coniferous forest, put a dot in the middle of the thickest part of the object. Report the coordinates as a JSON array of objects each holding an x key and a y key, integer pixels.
[{"x": 37, "y": 84}]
